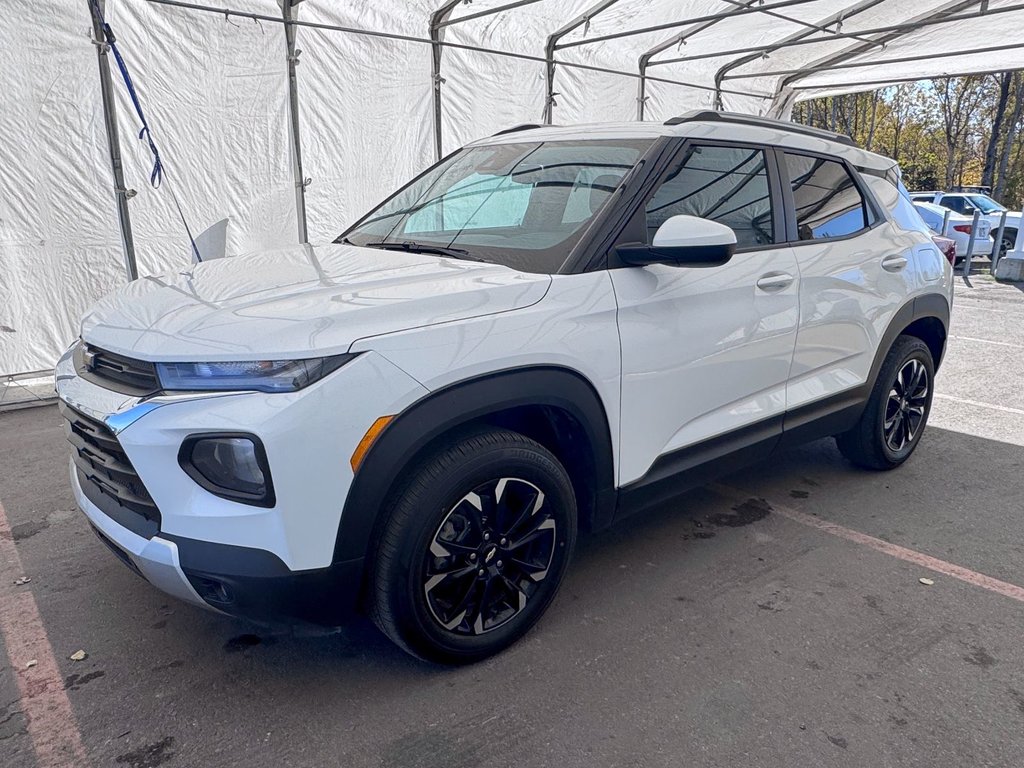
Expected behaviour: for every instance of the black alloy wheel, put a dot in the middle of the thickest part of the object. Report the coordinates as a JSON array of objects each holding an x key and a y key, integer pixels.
[
  {"x": 895, "y": 416},
  {"x": 474, "y": 547},
  {"x": 489, "y": 555}
]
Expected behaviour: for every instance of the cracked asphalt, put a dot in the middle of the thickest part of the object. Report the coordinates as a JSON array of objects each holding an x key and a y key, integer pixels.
[{"x": 710, "y": 632}]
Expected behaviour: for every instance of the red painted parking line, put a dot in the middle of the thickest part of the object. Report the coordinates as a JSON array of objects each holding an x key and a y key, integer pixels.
[
  {"x": 894, "y": 550},
  {"x": 50, "y": 719}
]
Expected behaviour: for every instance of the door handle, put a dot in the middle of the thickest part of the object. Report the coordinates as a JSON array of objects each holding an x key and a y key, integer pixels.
[
  {"x": 775, "y": 281},
  {"x": 894, "y": 263}
]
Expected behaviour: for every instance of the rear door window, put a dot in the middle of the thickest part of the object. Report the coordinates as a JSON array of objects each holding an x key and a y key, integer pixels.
[{"x": 827, "y": 201}]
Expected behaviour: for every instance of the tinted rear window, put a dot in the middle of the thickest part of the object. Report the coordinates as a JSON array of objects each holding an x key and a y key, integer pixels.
[{"x": 827, "y": 200}]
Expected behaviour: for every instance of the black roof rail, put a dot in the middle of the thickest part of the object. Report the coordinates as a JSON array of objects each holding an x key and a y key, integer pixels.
[
  {"x": 713, "y": 116},
  {"x": 522, "y": 127}
]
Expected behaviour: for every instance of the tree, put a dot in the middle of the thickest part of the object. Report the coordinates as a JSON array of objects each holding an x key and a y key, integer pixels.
[
  {"x": 992, "y": 150},
  {"x": 944, "y": 132},
  {"x": 958, "y": 99}
]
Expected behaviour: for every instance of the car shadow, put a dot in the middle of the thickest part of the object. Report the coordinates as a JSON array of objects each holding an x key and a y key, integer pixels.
[{"x": 700, "y": 525}]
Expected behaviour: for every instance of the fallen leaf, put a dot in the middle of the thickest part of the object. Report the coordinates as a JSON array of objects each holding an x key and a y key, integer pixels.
[
  {"x": 22, "y": 580},
  {"x": 31, "y": 664},
  {"x": 78, "y": 656},
  {"x": 926, "y": 582}
]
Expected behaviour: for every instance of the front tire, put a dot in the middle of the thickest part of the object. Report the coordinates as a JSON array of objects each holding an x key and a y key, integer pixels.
[
  {"x": 897, "y": 411},
  {"x": 474, "y": 548}
]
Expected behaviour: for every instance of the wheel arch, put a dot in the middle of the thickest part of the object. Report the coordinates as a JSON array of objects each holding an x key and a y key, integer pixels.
[
  {"x": 556, "y": 406},
  {"x": 927, "y": 318}
]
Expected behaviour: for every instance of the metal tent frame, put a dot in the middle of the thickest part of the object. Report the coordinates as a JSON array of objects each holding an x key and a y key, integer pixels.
[{"x": 779, "y": 101}]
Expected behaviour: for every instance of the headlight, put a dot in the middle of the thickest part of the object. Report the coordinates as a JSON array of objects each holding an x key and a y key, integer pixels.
[{"x": 258, "y": 375}]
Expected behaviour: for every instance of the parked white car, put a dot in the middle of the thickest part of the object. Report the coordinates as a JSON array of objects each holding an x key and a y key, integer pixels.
[
  {"x": 966, "y": 203},
  {"x": 550, "y": 329},
  {"x": 957, "y": 228}
]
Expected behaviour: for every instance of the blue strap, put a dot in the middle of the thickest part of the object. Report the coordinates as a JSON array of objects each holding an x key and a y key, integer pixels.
[{"x": 157, "y": 175}]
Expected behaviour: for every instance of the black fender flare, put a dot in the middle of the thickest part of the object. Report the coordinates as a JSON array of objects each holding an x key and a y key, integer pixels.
[
  {"x": 928, "y": 305},
  {"x": 459, "y": 404}
]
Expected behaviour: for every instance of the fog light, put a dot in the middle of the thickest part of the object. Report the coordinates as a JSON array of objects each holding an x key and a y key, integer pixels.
[{"x": 230, "y": 466}]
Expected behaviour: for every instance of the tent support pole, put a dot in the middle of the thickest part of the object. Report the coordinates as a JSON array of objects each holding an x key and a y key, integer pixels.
[
  {"x": 836, "y": 18},
  {"x": 552, "y": 43},
  {"x": 932, "y": 17},
  {"x": 677, "y": 39},
  {"x": 289, "y": 13},
  {"x": 437, "y": 23},
  {"x": 427, "y": 41},
  {"x": 121, "y": 193},
  {"x": 641, "y": 87},
  {"x": 907, "y": 27}
]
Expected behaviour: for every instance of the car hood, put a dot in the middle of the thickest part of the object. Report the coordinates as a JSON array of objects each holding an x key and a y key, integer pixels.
[{"x": 299, "y": 301}]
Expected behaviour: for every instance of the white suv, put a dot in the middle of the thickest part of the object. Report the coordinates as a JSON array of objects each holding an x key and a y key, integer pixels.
[
  {"x": 548, "y": 330},
  {"x": 966, "y": 203}
]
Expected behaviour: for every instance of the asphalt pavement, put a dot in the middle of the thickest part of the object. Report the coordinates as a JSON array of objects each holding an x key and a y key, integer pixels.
[{"x": 775, "y": 619}]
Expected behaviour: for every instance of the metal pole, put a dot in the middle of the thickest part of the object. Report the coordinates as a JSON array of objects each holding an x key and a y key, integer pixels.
[
  {"x": 970, "y": 246},
  {"x": 677, "y": 39},
  {"x": 934, "y": 16},
  {"x": 121, "y": 194},
  {"x": 552, "y": 44},
  {"x": 641, "y": 87},
  {"x": 289, "y": 13},
  {"x": 686, "y": 22},
  {"x": 486, "y": 12},
  {"x": 229, "y": 12},
  {"x": 872, "y": 62},
  {"x": 997, "y": 245},
  {"x": 836, "y": 18},
  {"x": 437, "y": 20},
  {"x": 907, "y": 26},
  {"x": 944, "y": 231}
]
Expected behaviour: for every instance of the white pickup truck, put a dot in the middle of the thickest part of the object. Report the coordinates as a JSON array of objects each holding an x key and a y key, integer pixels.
[{"x": 967, "y": 203}]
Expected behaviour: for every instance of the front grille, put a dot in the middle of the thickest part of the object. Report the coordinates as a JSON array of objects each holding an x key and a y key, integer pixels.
[
  {"x": 107, "y": 476},
  {"x": 114, "y": 371}
]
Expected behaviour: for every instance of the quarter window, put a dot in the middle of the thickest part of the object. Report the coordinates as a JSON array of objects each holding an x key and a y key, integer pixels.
[
  {"x": 827, "y": 201},
  {"x": 725, "y": 184}
]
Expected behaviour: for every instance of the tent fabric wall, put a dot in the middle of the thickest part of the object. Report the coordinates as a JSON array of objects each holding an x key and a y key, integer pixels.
[
  {"x": 60, "y": 247},
  {"x": 215, "y": 91}
]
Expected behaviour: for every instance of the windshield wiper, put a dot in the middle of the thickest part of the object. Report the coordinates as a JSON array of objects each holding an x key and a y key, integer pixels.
[{"x": 412, "y": 247}]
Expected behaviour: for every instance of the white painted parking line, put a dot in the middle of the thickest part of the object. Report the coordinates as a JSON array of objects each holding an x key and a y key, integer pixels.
[
  {"x": 987, "y": 341},
  {"x": 953, "y": 570},
  {"x": 979, "y": 404},
  {"x": 50, "y": 719},
  {"x": 961, "y": 305}
]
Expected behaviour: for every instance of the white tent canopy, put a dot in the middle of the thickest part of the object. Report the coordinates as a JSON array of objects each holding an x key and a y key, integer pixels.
[{"x": 380, "y": 88}]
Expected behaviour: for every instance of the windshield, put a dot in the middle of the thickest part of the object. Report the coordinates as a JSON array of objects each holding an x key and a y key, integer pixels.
[
  {"x": 986, "y": 204},
  {"x": 522, "y": 205}
]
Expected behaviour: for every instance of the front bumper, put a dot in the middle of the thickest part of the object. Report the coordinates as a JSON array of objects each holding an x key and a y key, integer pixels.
[
  {"x": 155, "y": 559},
  {"x": 248, "y": 583},
  {"x": 272, "y": 564}
]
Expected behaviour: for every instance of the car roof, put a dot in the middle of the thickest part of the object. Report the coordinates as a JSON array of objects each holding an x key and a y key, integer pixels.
[{"x": 703, "y": 125}]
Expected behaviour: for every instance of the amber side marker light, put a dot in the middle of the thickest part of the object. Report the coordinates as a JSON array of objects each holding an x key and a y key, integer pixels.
[{"x": 368, "y": 440}]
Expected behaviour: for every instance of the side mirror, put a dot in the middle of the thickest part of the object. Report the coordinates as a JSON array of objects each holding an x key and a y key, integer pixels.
[{"x": 684, "y": 241}]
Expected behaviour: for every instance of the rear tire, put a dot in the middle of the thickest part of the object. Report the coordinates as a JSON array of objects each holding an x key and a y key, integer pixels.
[
  {"x": 474, "y": 548},
  {"x": 1009, "y": 240},
  {"x": 897, "y": 411}
]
